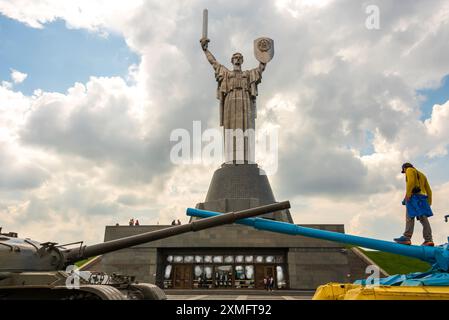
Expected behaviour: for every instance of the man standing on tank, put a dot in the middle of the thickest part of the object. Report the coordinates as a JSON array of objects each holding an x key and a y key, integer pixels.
[{"x": 418, "y": 199}]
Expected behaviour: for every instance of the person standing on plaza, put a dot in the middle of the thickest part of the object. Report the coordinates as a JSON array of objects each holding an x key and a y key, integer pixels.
[
  {"x": 271, "y": 283},
  {"x": 265, "y": 283}
]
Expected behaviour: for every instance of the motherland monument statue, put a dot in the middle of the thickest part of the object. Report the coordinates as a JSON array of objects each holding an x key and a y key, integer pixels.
[
  {"x": 237, "y": 92},
  {"x": 239, "y": 184}
]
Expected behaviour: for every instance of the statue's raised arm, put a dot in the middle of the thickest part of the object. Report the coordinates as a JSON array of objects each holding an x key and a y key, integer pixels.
[{"x": 210, "y": 57}]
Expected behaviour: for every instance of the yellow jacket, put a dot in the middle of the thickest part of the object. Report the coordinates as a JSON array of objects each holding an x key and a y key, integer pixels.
[{"x": 412, "y": 181}]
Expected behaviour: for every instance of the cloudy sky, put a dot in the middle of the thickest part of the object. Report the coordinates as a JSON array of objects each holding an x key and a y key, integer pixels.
[{"x": 91, "y": 90}]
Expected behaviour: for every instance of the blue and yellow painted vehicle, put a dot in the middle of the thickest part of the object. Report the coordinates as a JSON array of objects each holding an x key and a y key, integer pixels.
[{"x": 430, "y": 285}]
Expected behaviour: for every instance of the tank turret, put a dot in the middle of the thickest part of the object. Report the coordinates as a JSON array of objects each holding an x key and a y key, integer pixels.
[
  {"x": 28, "y": 266},
  {"x": 437, "y": 256}
]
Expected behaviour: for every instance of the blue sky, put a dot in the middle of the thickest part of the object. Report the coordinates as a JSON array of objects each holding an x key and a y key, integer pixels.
[
  {"x": 93, "y": 148},
  {"x": 434, "y": 96},
  {"x": 56, "y": 57},
  {"x": 435, "y": 168}
]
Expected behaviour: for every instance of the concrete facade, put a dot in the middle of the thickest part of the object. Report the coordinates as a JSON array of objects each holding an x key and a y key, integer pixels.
[
  {"x": 237, "y": 187},
  {"x": 310, "y": 262}
]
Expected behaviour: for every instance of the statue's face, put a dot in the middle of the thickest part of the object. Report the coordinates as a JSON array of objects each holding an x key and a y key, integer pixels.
[{"x": 237, "y": 59}]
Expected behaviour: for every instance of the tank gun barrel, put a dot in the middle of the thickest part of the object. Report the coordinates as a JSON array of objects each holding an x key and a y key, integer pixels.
[
  {"x": 433, "y": 255},
  {"x": 73, "y": 255}
]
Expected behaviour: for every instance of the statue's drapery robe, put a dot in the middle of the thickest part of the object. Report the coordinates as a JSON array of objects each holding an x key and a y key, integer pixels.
[{"x": 237, "y": 92}]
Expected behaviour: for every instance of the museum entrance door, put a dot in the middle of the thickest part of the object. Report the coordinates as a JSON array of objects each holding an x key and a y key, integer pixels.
[
  {"x": 262, "y": 272},
  {"x": 182, "y": 277},
  {"x": 268, "y": 271},
  {"x": 214, "y": 268},
  {"x": 223, "y": 277}
]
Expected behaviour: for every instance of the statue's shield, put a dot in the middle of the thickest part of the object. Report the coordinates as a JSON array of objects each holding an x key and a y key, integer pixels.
[{"x": 264, "y": 49}]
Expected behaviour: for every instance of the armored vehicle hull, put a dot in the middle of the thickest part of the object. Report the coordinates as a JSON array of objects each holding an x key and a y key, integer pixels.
[{"x": 33, "y": 270}]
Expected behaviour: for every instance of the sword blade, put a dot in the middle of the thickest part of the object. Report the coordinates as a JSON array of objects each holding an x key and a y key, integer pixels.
[{"x": 205, "y": 24}]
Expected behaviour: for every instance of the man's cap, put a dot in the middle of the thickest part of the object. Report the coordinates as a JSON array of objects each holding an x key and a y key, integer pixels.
[{"x": 405, "y": 166}]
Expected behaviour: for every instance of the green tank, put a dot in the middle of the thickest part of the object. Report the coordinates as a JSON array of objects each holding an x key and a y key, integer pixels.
[{"x": 33, "y": 270}]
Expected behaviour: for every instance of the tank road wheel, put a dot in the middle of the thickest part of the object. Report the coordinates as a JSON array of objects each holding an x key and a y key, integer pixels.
[
  {"x": 80, "y": 295},
  {"x": 105, "y": 292},
  {"x": 149, "y": 291},
  {"x": 85, "y": 292},
  {"x": 95, "y": 292}
]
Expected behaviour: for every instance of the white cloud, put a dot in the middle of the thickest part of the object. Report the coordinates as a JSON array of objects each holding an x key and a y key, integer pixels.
[
  {"x": 99, "y": 153},
  {"x": 6, "y": 84},
  {"x": 437, "y": 126},
  {"x": 298, "y": 8},
  {"x": 17, "y": 76},
  {"x": 91, "y": 15}
]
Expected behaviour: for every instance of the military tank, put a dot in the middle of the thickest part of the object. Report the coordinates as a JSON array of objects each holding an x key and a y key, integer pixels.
[
  {"x": 430, "y": 285},
  {"x": 33, "y": 270}
]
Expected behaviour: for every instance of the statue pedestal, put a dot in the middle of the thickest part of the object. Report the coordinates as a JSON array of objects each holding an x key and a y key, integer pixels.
[{"x": 237, "y": 187}]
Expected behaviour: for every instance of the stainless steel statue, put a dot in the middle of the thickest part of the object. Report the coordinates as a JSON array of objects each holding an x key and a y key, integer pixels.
[{"x": 237, "y": 92}]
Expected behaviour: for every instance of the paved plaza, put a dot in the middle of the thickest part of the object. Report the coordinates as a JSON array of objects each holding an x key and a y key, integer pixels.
[{"x": 267, "y": 296}]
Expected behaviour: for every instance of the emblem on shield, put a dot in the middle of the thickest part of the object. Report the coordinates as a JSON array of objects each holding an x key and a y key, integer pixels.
[{"x": 264, "y": 49}]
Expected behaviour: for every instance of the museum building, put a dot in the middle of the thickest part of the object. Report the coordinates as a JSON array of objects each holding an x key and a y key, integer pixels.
[{"x": 235, "y": 256}]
